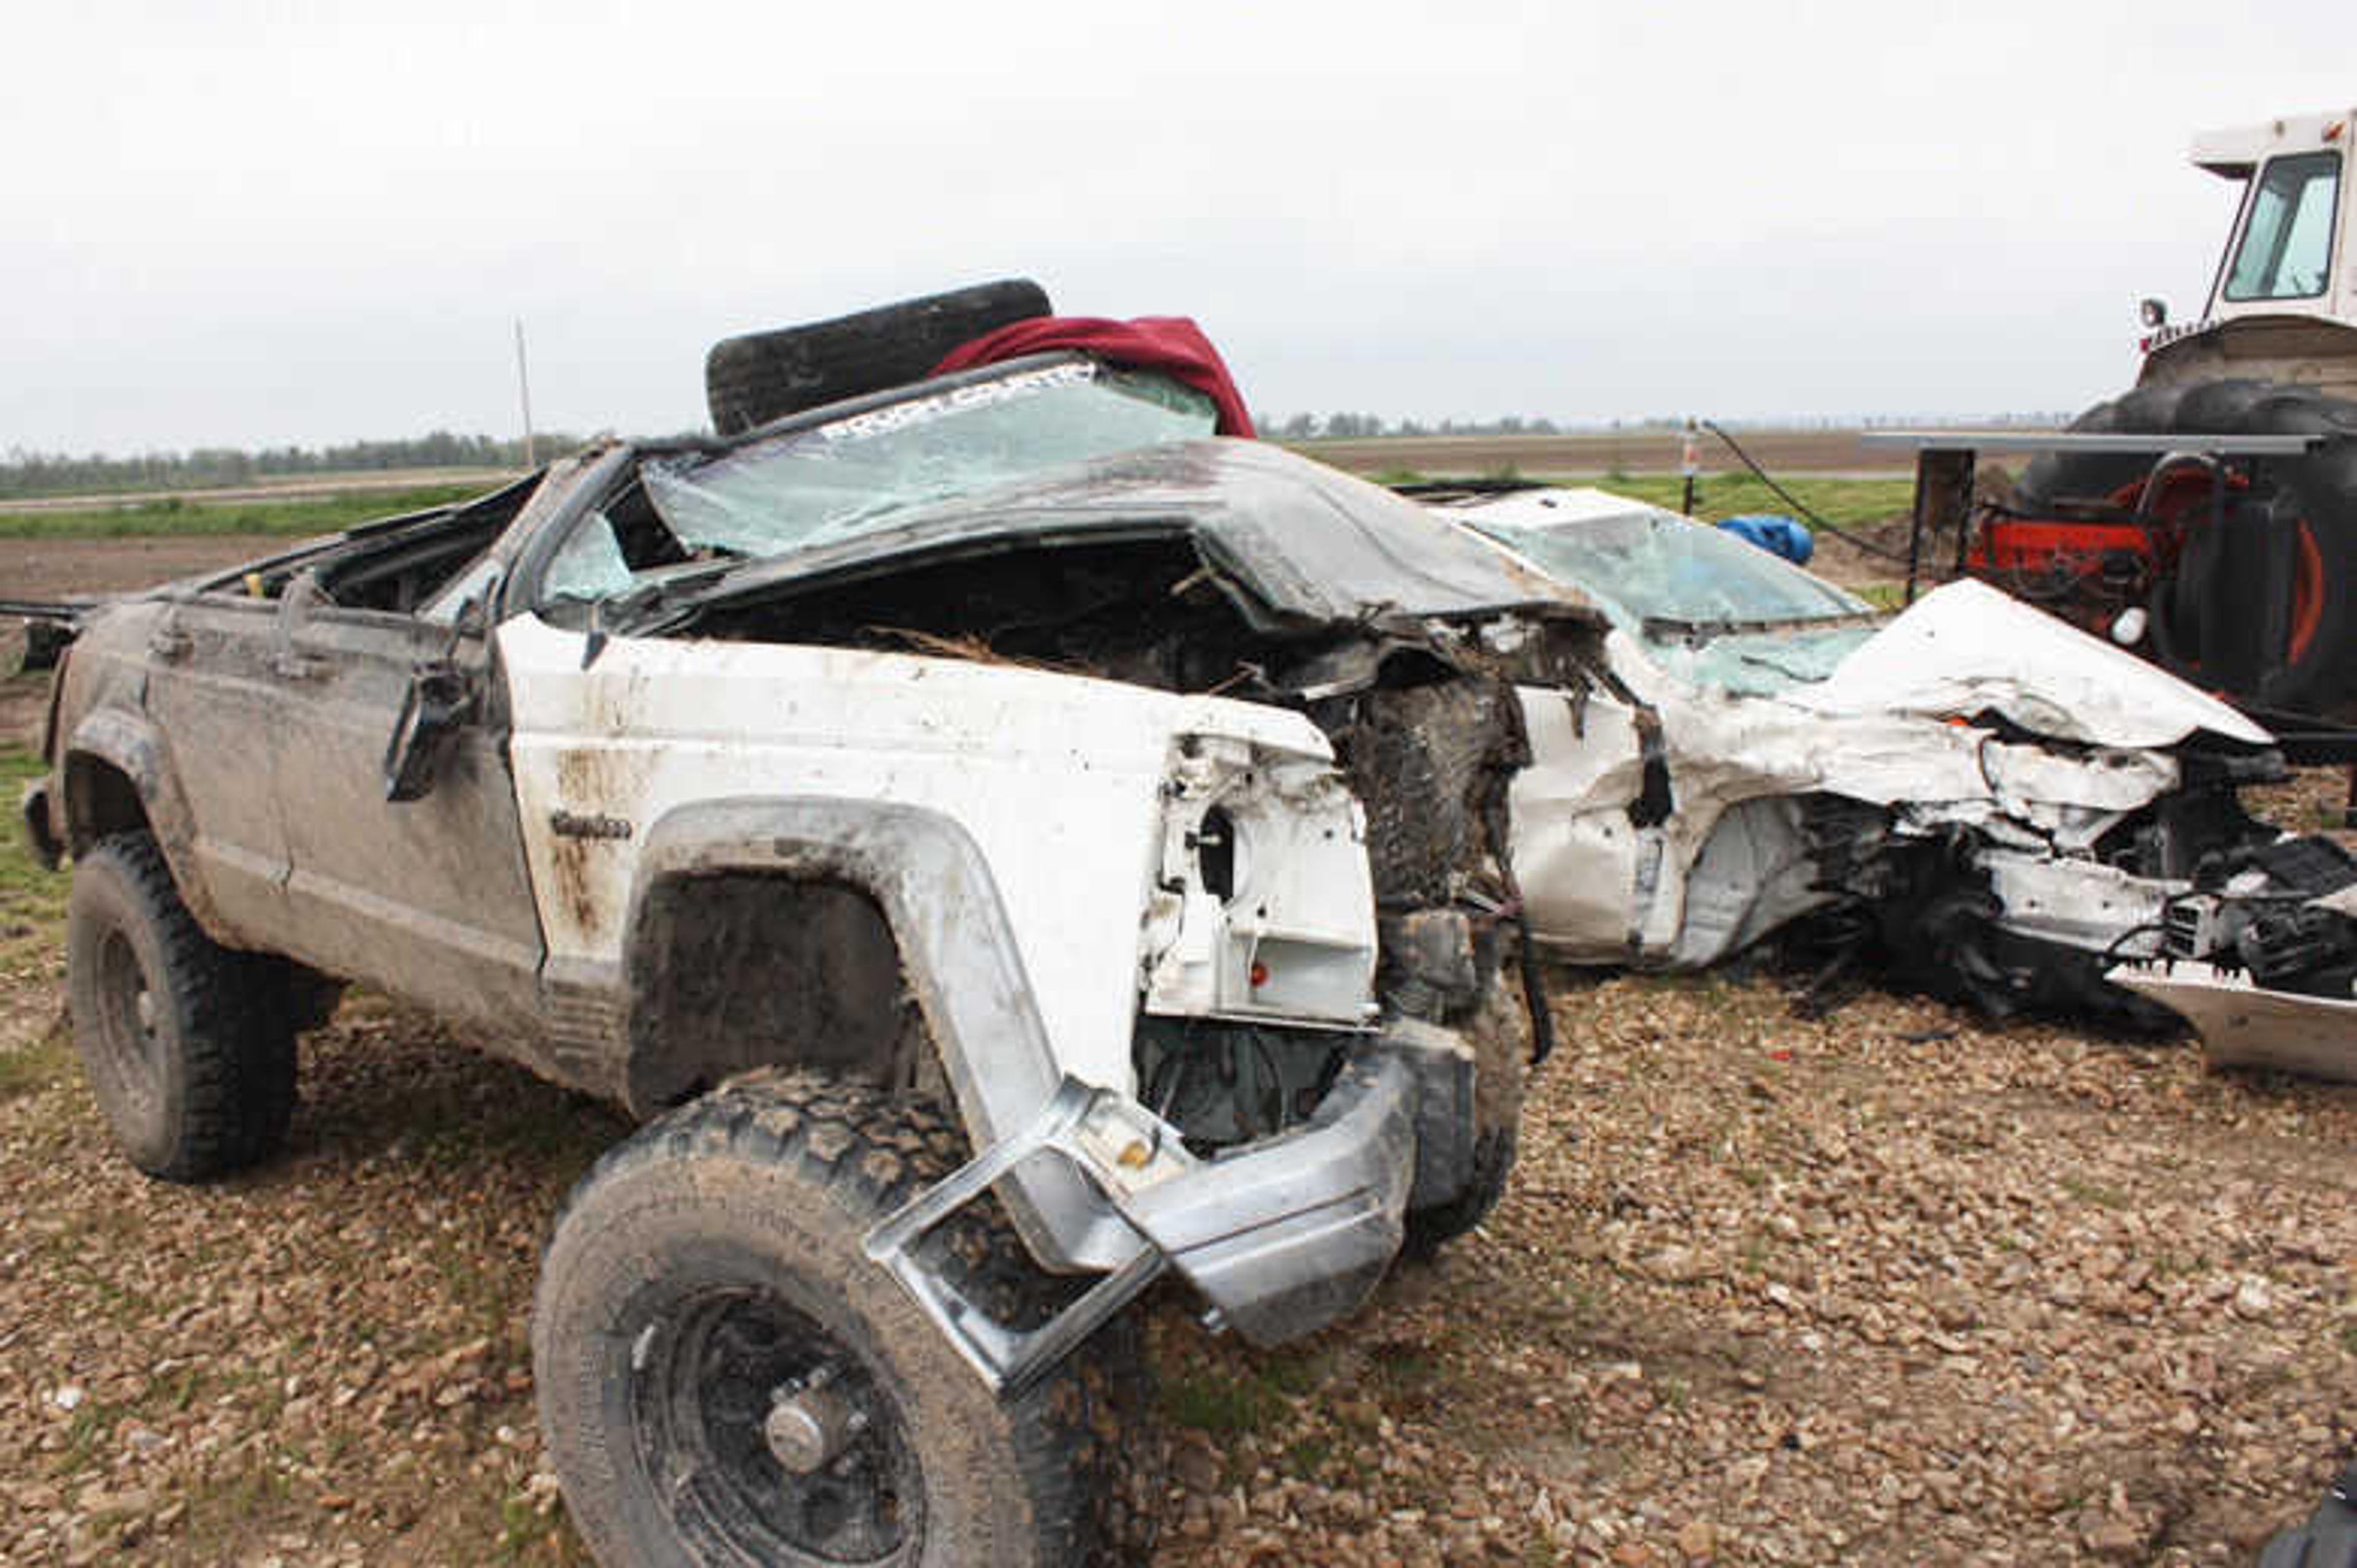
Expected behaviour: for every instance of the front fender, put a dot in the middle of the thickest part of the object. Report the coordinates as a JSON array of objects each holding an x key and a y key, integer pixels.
[{"x": 957, "y": 950}]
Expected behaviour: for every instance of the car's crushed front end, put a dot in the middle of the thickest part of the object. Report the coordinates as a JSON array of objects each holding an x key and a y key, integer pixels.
[
  {"x": 1207, "y": 749},
  {"x": 1972, "y": 798}
]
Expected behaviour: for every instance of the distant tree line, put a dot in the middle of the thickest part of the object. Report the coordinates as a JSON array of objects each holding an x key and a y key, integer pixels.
[
  {"x": 44, "y": 473},
  {"x": 1355, "y": 426}
]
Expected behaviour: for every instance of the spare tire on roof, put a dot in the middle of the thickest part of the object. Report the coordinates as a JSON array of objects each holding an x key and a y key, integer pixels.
[{"x": 751, "y": 380}]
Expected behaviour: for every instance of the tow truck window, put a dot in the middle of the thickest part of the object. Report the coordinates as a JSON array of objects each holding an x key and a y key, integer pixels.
[{"x": 2286, "y": 249}]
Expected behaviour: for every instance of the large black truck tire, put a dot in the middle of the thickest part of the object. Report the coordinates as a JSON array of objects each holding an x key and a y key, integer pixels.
[
  {"x": 189, "y": 1046},
  {"x": 2316, "y": 496},
  {"x": 751, "y": 380},
  {"x": 725, "y": 1377}
]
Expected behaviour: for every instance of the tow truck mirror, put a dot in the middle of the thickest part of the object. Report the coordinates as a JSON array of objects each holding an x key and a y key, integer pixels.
[{"x": 2153, "y": 313}]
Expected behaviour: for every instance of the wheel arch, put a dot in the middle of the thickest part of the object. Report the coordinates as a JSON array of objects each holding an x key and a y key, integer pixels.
[
  {"x": 921, "y": 878},
  {"x": 114, "y": 776}
]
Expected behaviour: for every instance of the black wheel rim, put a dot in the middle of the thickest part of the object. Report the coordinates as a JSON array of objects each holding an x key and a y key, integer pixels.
[
  {"x": 130, "y": 1012},
  {"x": 705, "y": 1380}
]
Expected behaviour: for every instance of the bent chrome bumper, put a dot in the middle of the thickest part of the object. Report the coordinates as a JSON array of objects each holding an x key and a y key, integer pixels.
[{"x": 1283, "y": 1237}]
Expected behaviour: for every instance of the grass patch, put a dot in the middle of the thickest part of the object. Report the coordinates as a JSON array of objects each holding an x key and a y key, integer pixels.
[
  {"x": 233, "y": 1508},
  {"x": 1226, "y": 1406},
  {"x": 177, "y": 515},
  {"x": 32, "y": 899},
  {"x": 1841, "y": 501},
  {"x": 527, "y": 1536},
  {"x": 1405, "y": 1376},
  {"x": 2094, "y": 1192},
  {"x": 87, "y": 1433},
  {"x": 45, "y": 1063},
  {"x": 1883, "y": 595},
  {"x": 1307, "y": 1457},
  {"x": 482, "y": 1293}
]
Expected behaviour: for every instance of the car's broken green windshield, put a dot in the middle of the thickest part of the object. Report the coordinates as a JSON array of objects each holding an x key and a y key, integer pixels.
[
  {"x": 834, "y": 480},
  {"x": 1711, "y": 609},
  {"x": 1647, "y": 566}
]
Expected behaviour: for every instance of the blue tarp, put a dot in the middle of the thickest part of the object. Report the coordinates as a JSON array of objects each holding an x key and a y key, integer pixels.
[{"x": 1778, "y": 535}]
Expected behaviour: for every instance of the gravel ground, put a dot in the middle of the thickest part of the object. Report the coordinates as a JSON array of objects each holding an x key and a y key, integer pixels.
[{"x": 1889, "y": 1286}]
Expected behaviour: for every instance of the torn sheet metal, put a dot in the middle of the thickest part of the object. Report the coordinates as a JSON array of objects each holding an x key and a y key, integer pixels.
[
  {"x": 2241, "y": 1025},
  {"x": 1993, "y": 804},
  {"x": 2078, "y": 903},
  {"x": 1965, "y": 648},
  {"x": 1598, "y": 893}
]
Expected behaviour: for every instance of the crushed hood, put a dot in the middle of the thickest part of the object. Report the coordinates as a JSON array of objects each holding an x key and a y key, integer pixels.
[
  {"x": 1308, "y": 545},
  {"x": 1966, "y": 649}
]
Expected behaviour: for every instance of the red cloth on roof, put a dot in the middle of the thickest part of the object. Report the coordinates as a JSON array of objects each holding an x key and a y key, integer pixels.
[{"x": 1171, "y": 344}]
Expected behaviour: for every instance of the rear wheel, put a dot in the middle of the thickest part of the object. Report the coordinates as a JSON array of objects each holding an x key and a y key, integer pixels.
[
  {"x": 189, "y": 1046},
  {"x": 725, "y": 1377},
  {"x": 2316, "y": 501}
]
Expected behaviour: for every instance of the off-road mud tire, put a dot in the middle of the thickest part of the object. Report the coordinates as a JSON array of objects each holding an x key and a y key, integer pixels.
[
  {"x": 760, "y": 1192},
  {"x": 2327, "y": 1538},
  {"x": 2322, "y": 486},
  {"x": 751, "y": 380},
  {"x": 187, "y": 1045},
  {"x": 1500, "y": 1036}
]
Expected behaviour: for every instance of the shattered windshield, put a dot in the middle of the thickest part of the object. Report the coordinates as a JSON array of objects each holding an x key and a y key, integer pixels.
[
  {"x": 1655, "y": 565},
  {"x": 833, "y": 481}
]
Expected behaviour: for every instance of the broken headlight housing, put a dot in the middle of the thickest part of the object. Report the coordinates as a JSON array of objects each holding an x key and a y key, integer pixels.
[{"x": 1263, "y": 907}]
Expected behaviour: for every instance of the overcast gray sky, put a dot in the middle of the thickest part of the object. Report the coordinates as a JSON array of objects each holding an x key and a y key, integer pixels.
[{"x": 254, "y": 225}]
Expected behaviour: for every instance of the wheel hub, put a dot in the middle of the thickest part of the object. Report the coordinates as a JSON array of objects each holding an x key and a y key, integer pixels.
[
  {"x": 809, "y": 1426},
  {"x": 774, "y": 1443}
]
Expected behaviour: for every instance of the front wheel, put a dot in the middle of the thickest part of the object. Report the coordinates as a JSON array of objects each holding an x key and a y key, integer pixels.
[{"x": 724, "y": 1377}]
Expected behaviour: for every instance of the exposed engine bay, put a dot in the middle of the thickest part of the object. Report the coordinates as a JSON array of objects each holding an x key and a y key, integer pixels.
[{"x": 1250, "y": 997}]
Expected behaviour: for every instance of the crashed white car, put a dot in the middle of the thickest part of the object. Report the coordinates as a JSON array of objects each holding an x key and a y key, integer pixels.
[{"x": 1972, "y": 798}]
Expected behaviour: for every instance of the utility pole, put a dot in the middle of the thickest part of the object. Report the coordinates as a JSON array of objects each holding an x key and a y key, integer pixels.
[
  {"x": 523, "y": 388},
  {"x": 1689, "y": 465}
]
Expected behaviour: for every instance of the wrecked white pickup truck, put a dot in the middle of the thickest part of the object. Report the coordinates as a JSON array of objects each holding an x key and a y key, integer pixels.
[
  {"x": 1974, "y": 797},
  {"x": 1011, "y": 843}
]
